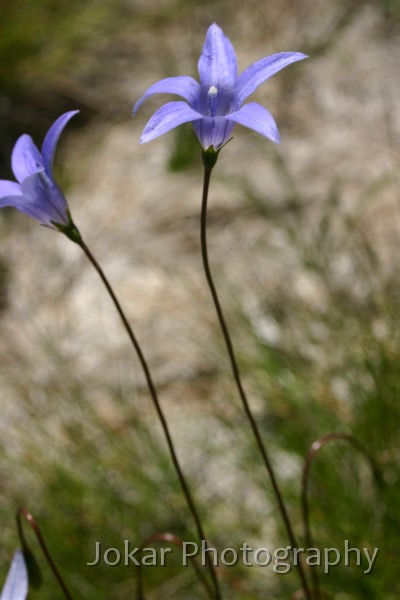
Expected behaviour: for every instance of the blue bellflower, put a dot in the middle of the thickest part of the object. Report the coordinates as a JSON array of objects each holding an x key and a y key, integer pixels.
[
  {"x": 16, "y": 585},
  {"x": 215, "y": 105},
  {"x": 36, "y": 194}
]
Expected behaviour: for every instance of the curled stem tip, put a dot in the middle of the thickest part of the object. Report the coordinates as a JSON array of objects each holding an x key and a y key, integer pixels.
[
  {"x": 22, "y": 513},
  {"x": 316, "y": 446}
]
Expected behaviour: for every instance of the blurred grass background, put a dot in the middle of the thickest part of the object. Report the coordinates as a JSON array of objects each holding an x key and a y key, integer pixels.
[{"x": 304, "y": 240}]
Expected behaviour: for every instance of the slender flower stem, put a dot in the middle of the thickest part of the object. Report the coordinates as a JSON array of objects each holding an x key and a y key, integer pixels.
[
  {"x": 32, "y": 522},
  {"x": 209, "y": 160},
  {"x": 153, "y": 392}
]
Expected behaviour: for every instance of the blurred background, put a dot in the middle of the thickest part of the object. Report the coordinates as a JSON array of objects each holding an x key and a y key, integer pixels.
[{"x": 303, "y": 241}]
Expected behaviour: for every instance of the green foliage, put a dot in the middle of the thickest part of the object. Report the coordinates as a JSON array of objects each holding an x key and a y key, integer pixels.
[{"x": 185, "y": 151}]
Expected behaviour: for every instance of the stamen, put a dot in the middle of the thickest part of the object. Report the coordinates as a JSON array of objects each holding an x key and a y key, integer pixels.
[{"x": 212, "y": 97}]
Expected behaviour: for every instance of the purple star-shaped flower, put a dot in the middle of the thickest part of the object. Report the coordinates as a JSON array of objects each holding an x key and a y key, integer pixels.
[
  {"x": 215, "y": 105},
  {"x": 36, "y": 194}
]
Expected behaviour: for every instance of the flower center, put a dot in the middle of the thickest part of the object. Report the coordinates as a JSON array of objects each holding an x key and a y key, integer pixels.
[{"x": 212, "y": 100}]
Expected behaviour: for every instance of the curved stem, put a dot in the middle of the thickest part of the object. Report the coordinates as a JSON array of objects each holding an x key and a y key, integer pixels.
[
  {"x": 314, "y": 449},
  {"x": 235, "y": 369},
  {"x": 21, "y": 512},
  {"x": 153, "y": 393}
]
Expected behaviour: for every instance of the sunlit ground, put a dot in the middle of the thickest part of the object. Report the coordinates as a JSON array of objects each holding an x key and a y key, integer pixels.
[{"x": 303, "y": 241}]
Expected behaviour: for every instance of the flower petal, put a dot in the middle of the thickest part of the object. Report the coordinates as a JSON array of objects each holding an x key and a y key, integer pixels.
[
  {"x": 43, "y": 200},
  {"x": 260, "y": 71},
  {"x": 217, "y": 64},
  {"x": 26, "y": 158},
  {"x": 9, "y": 188},
  {"x": 213, "y": 131},
  {"x": 16, "y": 585},
  {"x": 166, "y": 118},
  {"x": 50, "y": 141},
  {"x": 29, "y": 208},
  {"x": 13, "y": 201},
  {"x": 186, "y": 87},
  {"x": 256, "y": 117}
]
